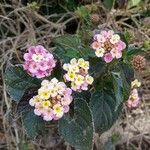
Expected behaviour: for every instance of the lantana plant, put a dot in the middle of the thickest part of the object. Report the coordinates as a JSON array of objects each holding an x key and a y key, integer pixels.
[{"x": 81, "y": 87}]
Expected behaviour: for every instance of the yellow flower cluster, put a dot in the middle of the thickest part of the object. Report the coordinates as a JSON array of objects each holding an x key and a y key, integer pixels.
[
  {"x": 77, "y": 74},
  {"x": 52, "y": 101}
]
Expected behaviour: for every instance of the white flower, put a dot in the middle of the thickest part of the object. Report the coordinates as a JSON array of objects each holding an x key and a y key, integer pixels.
[
  {"x": 73, "y": 61},
  {"x": 100, "y": 52},
  {"x": 115, "y": 38},
  {"x": 89, "y": 79}
]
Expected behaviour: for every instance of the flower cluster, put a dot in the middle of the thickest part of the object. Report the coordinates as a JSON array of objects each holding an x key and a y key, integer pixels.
[
  {"x": 52, "y": 101},
  {"x": 138, "y": 62},
  {"x": 39, "y": 62},
  {"x": 77, "y": 73},
  {"x": 134, "y": 99},
  {"x": 108, "y": 45}
]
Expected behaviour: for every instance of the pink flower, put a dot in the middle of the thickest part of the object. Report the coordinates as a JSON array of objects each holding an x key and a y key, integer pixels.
[
  {"x": 105, "y": 34},
  {"x": 41, "y": 74},
  {"x": 116, "y": 53},
  {"x": 134, "y": 99},
  {"x": 38, "y": 61},
  {"x": 120, "y": 45},
  {"x": 110, "y": 33},
  {"x": 101, "y": 38},
  {"x": 43, "y": 66},
  {"x": 108, "y": 57},
  {"x": 37, "y": 112},
  {"x": 84, "y": 87},
  {"x": 48, "y": 114},
  {"x": 95, "y": 45},
  {"x": 27, "y": 56},
  {"x": 66, "y": 109},
  {"x": 33, "y": 68}
]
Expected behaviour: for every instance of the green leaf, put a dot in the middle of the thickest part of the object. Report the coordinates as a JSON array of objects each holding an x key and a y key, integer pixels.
[
  {"x": 97, "y": 67},
  {"x": 86, "y": 52},
  {"x": 127, "y": 74},
  {"x": 118, "y": 88},
  {"x": 65, "y": 54},
  {"x": 103, "y": 106},
  {"x": 33, "y": 124},
  {"x": 108, "y": 3},
  {"x": 67, "y": 47},
  {"x": 18, "y": 81},
  {"x": 133, "y": 51},
  {"x": 82, "y": 12},
  {"x": 78, "y": 131},
  {"x": 68, "y": 42},
  {"x": 133, "y": 3}
]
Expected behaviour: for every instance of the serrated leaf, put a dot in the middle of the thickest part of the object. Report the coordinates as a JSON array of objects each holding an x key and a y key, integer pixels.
[
  {"x": 33, "y": 124},
  {"x": 78, "y": 131},
  {"x": 103, "y": 105},
  {"x": 18, "y": 81}
]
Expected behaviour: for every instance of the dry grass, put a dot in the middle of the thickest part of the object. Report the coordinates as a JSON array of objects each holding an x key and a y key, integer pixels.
[{"x": 22, "y": 26}]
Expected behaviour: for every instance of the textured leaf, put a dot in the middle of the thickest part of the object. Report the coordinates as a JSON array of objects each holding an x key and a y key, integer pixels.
[
  {"x": 33, "y": 124},
  {"x": 65, "y": 54},
  {"x": 86, "y": 52},
  {"x": 78, "y": 131},
  {"x": 127, "y": 75},
  {"x": 118, "y": 88},
  {"x": 97, "y": 67},
  {"x": 68, "y": 42},
  {"x": 18, "y": 81},
  {"x": 103, "y": 105},
  {"x": 128, "y": 72}
]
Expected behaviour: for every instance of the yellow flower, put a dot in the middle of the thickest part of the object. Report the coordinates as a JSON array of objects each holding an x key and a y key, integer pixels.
[
  {"x": 71, "y": 76},
  {"x": 79, "y": 80},
  {"x": 58, "y": 110},
  {"x": 46, "y": 104},
  {"x": 135, "y": 84},
  {"x": 74, "y": 86},
  {"x": 44, "y": 93},
  {"x": 83, "y": 64},
  {"x": 89, "y": 79},
  {"x": 53, "y": 92},
  {"x": 74, "y": 68}
]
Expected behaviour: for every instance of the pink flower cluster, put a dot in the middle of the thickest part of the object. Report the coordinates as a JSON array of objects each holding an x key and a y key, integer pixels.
[
  {"x": 38, "y": 61},
  {"x": 108, "y": 45},
  {"x": 52, "y": 101},
  {"x": 134, "y": 99}
]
